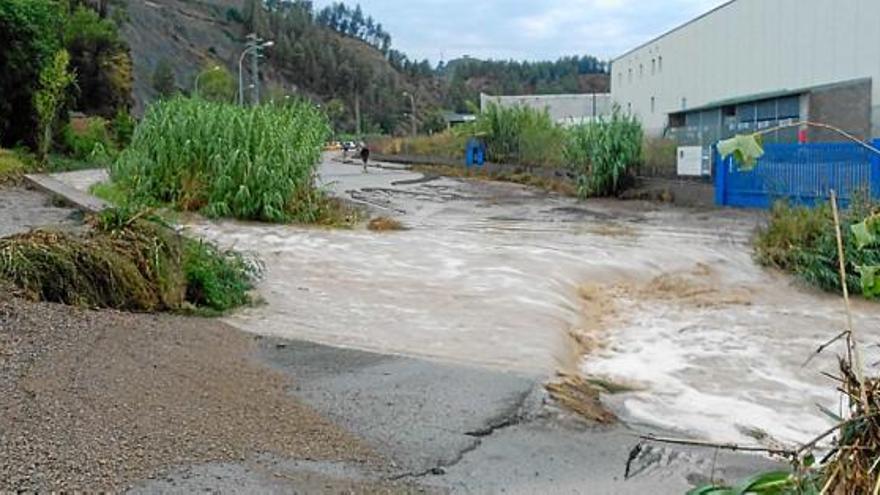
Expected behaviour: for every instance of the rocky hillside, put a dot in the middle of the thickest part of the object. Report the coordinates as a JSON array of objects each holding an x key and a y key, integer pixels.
[
  {"x": 187, "y": 33},
  {"x": 312, "y": 59}
]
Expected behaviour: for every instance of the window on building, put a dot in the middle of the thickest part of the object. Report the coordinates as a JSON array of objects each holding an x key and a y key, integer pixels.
[
  {"x": 630, "y": 75},
  {"x": 653, "y": 104},
  {"x": 660, "y": 64},
  {"x": 641, "y": 71},
  {"x": 653, "y": 66},
  {"x": 684, "y": 103},
  {"x": 677, "y": 120},
  {"x": 620, "y": 77},
  {"x": 629, "y": 107},
  {"x": 789, "y": 108}
]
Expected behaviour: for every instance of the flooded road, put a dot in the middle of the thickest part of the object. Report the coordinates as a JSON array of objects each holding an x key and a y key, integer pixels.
[{"x": 664, "y": 299}]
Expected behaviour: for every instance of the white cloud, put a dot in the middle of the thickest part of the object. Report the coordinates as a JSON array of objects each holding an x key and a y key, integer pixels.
[{"x": 524, "y": 29}]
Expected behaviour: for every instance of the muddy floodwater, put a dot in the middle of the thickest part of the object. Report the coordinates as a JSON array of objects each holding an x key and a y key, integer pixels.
[{"x": 667, "y": 300}]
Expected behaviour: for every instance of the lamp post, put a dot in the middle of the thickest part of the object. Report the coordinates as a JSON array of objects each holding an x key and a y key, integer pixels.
[
  {"x": 254, "y": 45},
  {"x": 199, "y": 75},
  {"x": 412, "y": 114}
]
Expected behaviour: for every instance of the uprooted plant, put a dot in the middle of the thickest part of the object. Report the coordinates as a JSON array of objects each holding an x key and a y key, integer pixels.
[{"x": 126, "y": 260}]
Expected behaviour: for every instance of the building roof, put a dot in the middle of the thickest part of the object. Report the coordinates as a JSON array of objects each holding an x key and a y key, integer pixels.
[
  {"x": 677, "y": 28},
  {"x": 459, "y": 117},
  {"x": 556, "y": 96},
  {"x": 771, "y": 95}
]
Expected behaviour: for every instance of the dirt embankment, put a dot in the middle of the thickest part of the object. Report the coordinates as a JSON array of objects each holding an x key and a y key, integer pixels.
[{"x": 97, "y": 400}]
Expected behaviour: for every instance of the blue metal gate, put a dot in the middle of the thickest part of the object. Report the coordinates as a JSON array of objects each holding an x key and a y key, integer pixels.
[{"x": 800, "y": 173}]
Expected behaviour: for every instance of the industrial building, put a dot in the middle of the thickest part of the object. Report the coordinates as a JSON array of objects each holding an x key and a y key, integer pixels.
[
  {"x": 566, "y": 109},
  {"x": 752, "y": 64}
]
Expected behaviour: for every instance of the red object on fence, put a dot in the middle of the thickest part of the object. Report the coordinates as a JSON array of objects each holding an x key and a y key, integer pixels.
[{"x": 802, "y": 136}]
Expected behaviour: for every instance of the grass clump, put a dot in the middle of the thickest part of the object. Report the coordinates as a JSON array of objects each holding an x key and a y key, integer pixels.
[
  {"x": 446, "y": 144},
  {"x": 11, "y": 166},
  {"x": 215, "y": 279},
  {"x": 802, "y": 241},
  {"x": 109, "y": 192},
  {"x": 252, "y": 163},
  {"x": 127, "y": 262},
  {"x": 385, "y": 224}
]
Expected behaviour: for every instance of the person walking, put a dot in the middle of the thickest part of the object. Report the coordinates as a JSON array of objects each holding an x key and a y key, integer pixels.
[{"x": 365, "y": 154}]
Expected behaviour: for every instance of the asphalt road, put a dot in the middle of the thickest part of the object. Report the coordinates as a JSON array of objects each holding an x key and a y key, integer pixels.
[{"x": 448, "y": 428}]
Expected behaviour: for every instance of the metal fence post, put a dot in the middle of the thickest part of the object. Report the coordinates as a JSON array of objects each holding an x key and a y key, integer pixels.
[
  {"x": 875, "y": 171},
  {"x": 720, "y": 178}
]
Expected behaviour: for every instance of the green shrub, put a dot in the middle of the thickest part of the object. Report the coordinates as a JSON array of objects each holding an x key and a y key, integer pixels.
[
  {"x": 601, "y": 153},
  {"x": 89, "y": 139},
  {"x": 215, "y": 279},
  {"x": 123, "y": 125},
  {"x": 802, "y": 241},
  {"x": 253, "y": 163}
]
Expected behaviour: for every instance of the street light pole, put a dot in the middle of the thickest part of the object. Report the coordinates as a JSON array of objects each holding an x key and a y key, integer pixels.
[
  {"x": 254, "y": 45},
  {"x": 412, "y": 114},
  {"x": 199, "y": 75}
]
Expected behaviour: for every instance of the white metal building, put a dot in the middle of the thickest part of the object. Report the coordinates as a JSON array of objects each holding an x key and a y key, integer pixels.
[
  {"x": 749, "y": 64},
  {"x": 567, "y": 109}
]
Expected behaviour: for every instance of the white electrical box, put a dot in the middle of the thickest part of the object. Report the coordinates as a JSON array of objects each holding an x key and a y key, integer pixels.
[{"x": 690, "y": 161}]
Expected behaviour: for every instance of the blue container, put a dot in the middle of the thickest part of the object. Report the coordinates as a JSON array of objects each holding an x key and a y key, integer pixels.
[{"x": 475, "y": 153}]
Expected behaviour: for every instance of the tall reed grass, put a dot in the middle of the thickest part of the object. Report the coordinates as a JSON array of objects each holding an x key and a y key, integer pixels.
[
  {"x": 254, "y": 163},
  {"x": 601, "y": 153},
  {"x": 521, "y": 135}
]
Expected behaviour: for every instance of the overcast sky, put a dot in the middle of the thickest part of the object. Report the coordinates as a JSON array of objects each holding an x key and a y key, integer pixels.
[{"x": 526, "y": 29}]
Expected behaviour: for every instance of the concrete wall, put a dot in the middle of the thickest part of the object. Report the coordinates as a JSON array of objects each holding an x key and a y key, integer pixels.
[
  {"x": 875, "y": 116},
  {"x": 570, "y": 108},
  {"x": 846, "y": 106},
  {"x": 750, "y": 47}
]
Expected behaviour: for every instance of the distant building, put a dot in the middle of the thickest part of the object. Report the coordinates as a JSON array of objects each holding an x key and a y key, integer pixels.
[
  {"x": 570, "y": 109},
  {"x": 752, "y": 64},
  {"x": 453, "y": 119}
]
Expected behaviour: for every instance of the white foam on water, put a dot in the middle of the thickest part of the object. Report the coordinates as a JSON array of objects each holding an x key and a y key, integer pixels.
[{"x": 729, "y": 373}]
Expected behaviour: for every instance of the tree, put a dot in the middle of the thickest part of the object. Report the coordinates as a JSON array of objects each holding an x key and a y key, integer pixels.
[
  {"x": 216, "y": 83},
  {"x": 336, "y": 112},
  {"x": 163, "y": 79},
  {"x": 29, "y": 38},
  {"x": 101, "y": 61},
  {"x": 55, "y": 78}
]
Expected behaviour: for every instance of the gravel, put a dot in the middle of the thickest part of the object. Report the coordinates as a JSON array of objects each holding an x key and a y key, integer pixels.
[{"x": 100, "y": 400}]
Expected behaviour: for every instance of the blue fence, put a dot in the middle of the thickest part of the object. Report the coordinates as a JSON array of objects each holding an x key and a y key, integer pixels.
[{"x": 800, "y": 173}]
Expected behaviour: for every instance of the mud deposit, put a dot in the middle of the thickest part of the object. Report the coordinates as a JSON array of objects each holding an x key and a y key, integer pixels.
[{"x": 666, "y": 300}]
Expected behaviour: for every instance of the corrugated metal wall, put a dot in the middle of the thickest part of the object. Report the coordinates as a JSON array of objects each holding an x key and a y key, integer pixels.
[{"x": 751, "y": 47}]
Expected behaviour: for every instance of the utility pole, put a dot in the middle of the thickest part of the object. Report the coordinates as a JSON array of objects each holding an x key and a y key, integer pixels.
[
  {"x": 357, "y": 112},
  {"x": 255, "y": 69},
  {"x": 253, "y": 46}
]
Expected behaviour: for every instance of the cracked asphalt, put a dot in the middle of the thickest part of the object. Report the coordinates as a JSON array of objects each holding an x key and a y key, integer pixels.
[{"x": 448, "y": 428}]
